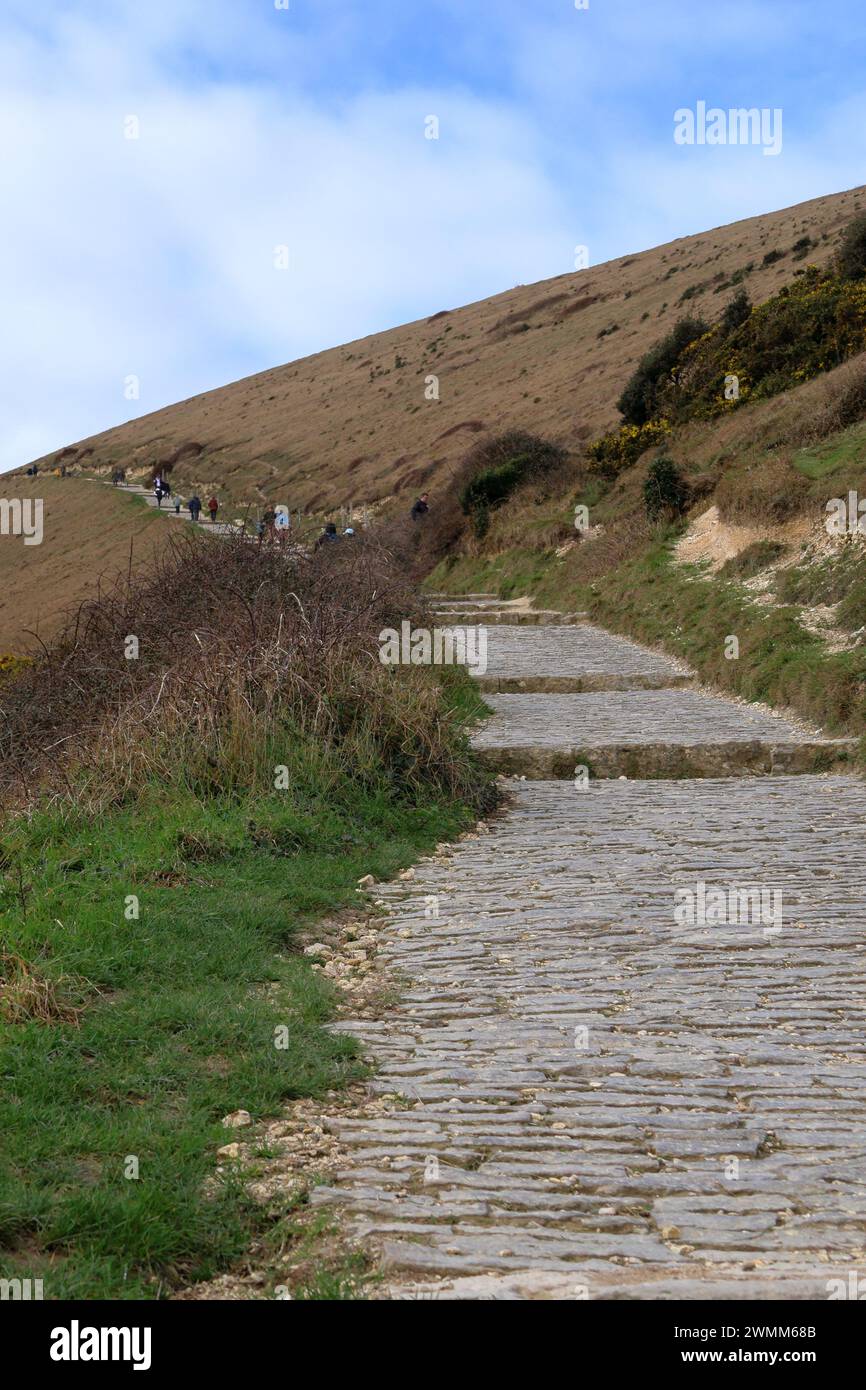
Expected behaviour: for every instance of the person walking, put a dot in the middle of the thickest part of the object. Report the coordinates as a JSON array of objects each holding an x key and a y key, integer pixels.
[
  {"x": 213, "y": 508},
  {"x": 421, "y": 507},
  {"x": 194, "y": 506},
  {"x": 177, "y": 504},
  {"x": 269, "y": 517},
  {"x": 282, "y": 522}
]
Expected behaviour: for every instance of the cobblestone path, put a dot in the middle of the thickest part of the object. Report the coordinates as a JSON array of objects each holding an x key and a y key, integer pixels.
[{"x": 604, "y": 1087}]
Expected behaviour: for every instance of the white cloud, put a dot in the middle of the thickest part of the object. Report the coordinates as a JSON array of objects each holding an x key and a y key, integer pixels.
[{"x": 155, "y": 256}]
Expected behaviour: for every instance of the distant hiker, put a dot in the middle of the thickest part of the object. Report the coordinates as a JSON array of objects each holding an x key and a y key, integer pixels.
[
  {"x": 420, "y": 507},
  {"x": 349, "y": 531},
  {"x": 177, "y": 504},
  {"x": 194, "y": 506},
  {"x": 63, "y": 470},
  {"x": 329, "y": 533},
  {"x": 213, "y": 508},
  {"x": 282, "y": 523}
]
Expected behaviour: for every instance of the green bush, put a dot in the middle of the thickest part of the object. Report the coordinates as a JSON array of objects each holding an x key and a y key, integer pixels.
[
  {"x": 851, "y": 257},
  {"x": 736, "y": 312},
  {"x": 640, "y": 400},
  {"x": 665, "y": 490},
  {"x": 497, "y": 467}
]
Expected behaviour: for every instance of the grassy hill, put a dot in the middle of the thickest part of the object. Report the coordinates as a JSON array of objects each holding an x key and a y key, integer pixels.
[
  {"x": 91, "y": 534},
  {"x": 353, "y": 425}
]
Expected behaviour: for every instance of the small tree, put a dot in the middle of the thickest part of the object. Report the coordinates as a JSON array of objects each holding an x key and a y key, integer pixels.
[
  {"x": 851, "y": 256},
  {"x": 665, "y": 490},
  {"x": 737, "y": 310}
]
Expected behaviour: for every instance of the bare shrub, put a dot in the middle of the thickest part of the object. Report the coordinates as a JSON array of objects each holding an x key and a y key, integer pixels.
[{"x": 243, "y": 653}]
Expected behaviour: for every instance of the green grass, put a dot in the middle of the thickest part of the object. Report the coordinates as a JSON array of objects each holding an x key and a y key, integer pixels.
[
  {"x": 510, "y": 574},
  {"x": 178, "y": 1012},
  {"x": 689, "y": 615},
  {"x": 841, "y": 453}
]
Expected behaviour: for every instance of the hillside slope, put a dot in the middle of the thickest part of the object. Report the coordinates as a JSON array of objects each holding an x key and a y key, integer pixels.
[
  {"x": 90, "y": 534},
  {"x": 353, "y": 425}
]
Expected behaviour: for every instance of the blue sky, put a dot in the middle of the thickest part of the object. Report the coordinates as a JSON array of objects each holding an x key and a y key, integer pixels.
[{"x": 304, "y": 127}]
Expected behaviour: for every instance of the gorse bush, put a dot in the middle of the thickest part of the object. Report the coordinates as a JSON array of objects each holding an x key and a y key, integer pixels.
[
  {"x": 808, "y": 327},
  {"x": 612, "y": 453},
  {"x": 736, "y": 312},
  {"x": 812, "y": 325},
  {"x": 851, "y": 257}
]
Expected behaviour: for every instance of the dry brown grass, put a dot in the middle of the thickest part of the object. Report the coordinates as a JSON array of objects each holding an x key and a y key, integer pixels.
[
  {"x": 766, "y": 492},
  {"x": 91, "y": 531},
  {"x": 28, "y": 996},
  {"x": 240, "y": 649}
]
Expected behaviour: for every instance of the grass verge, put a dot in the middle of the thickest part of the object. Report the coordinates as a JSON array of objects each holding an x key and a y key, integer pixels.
[{"x": 149, "y": 957}]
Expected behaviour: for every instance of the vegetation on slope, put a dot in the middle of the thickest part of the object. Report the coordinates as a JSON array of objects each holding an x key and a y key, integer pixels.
[{"x": 183, "y": 816}]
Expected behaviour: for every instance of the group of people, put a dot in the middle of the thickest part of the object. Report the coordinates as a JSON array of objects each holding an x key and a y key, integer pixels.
[
  {"x": 194, "y": 506},
  {"x": 275, "y": 521},
  {"x": 274, "y": 525}
]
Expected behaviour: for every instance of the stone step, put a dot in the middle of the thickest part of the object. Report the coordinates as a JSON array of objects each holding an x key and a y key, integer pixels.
[
  {"x": 525, "y": 617},
  {"x": 571, "y": 659},
  {"x": 648, "y": 733},
  {"x": 579, "y": 685},
  {"x": 669, "y": 761}
]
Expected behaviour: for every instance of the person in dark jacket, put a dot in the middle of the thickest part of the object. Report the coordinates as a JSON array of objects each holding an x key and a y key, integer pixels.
[
  {"x": 194, "y": 506},
  {"x": 421, "y": 507},
  {"x": 329, "y": 533}
]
